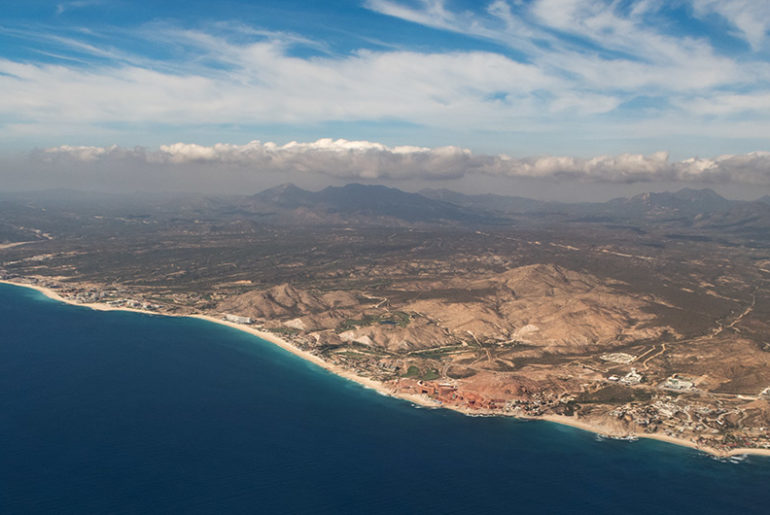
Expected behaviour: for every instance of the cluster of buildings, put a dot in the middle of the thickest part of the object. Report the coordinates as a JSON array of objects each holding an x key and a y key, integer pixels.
[
  {"x": 674, "y": 383},
  {"x": 446, "y": 392},
  {"x": 88, "y": 297},
  {"x": 677, "y": 383},
  {"x": 102, "y": 296},
  {"x": 717, "y": 427},
  {"x": 537, "y": 407},
  {"x": 442, "y": 392},
  {"x": 631, "y": 378},
  {"x": 135, "y": 304}
]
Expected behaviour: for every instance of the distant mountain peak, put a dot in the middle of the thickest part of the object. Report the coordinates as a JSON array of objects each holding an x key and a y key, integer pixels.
[
  {"x": 287, "y": 187},
  {"x": 689, "y": 200},
  {"x": 699, "y": 195},
  {"x": 490, "y": 202},
  {"x": 358, "y": 187},
  {"x": 360, "y": 202},
  {"x": 284, "y": 194}
]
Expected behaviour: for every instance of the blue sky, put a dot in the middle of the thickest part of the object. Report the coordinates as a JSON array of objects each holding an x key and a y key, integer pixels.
[{"x": 526, "y": 79}]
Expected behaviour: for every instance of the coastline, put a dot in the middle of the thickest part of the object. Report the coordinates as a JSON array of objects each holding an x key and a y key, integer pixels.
[
  {"x": 308, "y": 356},
  {"x": 383, "y": 389},
  {"x": 264, "y": 335}
]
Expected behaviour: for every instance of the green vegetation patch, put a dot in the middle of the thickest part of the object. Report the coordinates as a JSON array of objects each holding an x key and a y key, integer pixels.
[
  {"x": 397, "y": 318},
  {"x": 460, "y": 372},
  {"x": 360, "y": 347},
  {"x": 615, "y": 394},
  {"x": 430, "y": 375},
  {"x": 415, "y": 373},
  {"x": 353, "y": 355},
  {"x": 438, "y": 353},
  {"x": 412, "y": 371}
]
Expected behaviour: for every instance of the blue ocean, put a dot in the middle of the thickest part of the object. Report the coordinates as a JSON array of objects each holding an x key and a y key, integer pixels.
[{"x": 115, "y": 412}]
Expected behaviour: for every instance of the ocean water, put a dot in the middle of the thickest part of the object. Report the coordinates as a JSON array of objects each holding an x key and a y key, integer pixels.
[{"x": 114, "y": 412}]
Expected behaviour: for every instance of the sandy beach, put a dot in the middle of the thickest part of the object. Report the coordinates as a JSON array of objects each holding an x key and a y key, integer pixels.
[
  {"x": 364, "y": 381},
  {"x": 264, "y": 335},
  {"x": 579, "y": 424},
  {"x": 385, "y": 390}
]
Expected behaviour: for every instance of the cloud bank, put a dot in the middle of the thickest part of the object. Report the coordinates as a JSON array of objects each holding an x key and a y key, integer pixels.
[{"x": 369, "y": 161}]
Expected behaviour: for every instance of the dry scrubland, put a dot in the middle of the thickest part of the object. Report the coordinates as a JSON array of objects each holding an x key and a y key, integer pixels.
[{"x": 646, "y": 316}]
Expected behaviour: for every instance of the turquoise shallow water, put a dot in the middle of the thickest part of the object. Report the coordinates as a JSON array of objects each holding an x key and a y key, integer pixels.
[{"x": 114, "y": 412}]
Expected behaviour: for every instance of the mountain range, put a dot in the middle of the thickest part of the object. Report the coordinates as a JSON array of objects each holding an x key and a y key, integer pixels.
[
  {"x": 357, "y": 203},
  {"x": 688, "y": 209}
]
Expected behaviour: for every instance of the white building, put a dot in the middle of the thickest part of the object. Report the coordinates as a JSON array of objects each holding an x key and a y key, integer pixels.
[
  {"x": 632, "y": 377},
  {"x": 237, "y": 319},
  {"x": 677, "y": 383}
]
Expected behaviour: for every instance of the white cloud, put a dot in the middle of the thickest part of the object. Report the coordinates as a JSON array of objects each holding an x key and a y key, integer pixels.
[
  {"x": 268, "y": 86},
  {"x": 579, "y": 65},
  {"x": 337, "y": 158},
  {"x": 750, "y": 17},
  {"x": 730, "y": 104},
  {"x": 364, "y": 160},
  {"x": 77, "y": 4},
  {"x": 608, "y": 47}
]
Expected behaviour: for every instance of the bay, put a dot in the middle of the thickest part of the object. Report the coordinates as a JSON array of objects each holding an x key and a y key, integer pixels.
[{"x": 117, "y": 412}]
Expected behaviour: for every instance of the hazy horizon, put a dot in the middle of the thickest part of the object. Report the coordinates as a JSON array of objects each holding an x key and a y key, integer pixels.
[{"x": 549, "y": 193}]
